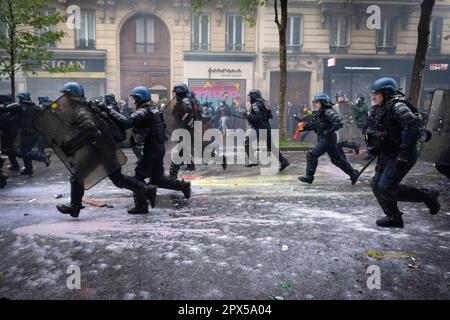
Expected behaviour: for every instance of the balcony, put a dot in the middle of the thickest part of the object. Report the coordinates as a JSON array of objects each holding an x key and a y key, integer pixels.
[
  {"x": 339, "y": 49},
  {"x": 84, "y": 43},
  {"x": 200, "y": 46},
  {"x": 386, "y": 49}
]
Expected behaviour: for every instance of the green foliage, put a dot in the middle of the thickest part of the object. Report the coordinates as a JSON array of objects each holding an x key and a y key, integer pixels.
[
  {"x": 25, "y": 31},
  {"x": 247, "y": 7}
]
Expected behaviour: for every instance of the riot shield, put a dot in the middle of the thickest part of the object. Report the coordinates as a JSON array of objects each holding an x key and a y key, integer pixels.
[
  {"x": 439, "y": 124},
  {"x": 89, "y": 153},
  {"x": 350, "y": 131},
  {"x": 171, "y": 122}
]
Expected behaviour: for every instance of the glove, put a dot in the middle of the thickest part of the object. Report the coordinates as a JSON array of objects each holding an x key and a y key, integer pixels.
[{"x": 102, "y": 106}]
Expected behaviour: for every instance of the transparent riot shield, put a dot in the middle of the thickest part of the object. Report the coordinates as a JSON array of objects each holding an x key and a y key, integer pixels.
[
  {"x": 350, "y": 131},
  {"x": 439, "y": 124},
  {"x": 80, "y": 140},
  {"x": 172, "y": 123}
]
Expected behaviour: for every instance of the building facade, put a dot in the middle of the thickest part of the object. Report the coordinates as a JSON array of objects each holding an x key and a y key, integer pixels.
[
  {"x": 331, "y": 48},
  {"x": 155, "y": 43}
]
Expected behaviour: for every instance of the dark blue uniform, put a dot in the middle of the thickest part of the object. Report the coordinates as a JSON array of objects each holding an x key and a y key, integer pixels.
[
  {"x": 259, "y": 118},
  {"x": 26, "y": 111},
  {"x": 393, "y": 133},
  {"x": 325, "y": 122},
  {"x": 148, "y": 130}
]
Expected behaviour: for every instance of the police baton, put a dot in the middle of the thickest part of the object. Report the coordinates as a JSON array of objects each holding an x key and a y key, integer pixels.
[
  {"x": 365, "y": 167},
  {"x": 237, "y": 116}
]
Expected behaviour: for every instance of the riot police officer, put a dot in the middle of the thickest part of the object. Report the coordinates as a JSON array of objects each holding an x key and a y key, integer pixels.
[
  {"x": 149, "y": 130},
  {"x": 110, "y": 100},
  {"x": 259, "y": 117},
  {"x": 393, "y": 131},
  {"x": 325, "y": 122},
  {"x": 8, "y": 130},
  {"x": 26, "y": 111},
  {"x": 87, "y": 119},
  {"x": 185, "y": 112}
]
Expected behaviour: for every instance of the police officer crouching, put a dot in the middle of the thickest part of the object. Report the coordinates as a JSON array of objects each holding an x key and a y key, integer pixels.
[
  {"x": 325, "y": 122},
  {"x": 392, "y": 135},
  {"x": 259, "y": 118}
]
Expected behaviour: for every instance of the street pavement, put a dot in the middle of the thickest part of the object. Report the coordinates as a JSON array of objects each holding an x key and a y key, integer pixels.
[{"x": 242, "y": 235}]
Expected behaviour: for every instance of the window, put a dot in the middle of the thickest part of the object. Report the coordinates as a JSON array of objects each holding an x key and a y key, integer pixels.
[
  {"x": 235, "y": 33},
  {"x": 293, "y": 33},
  {"x": 52, "y": 28},
  {"x": 85, "y": 37},
  {"x": 200, "y": 32},
  {"x": 340, "y": 34},
  {"x": 435, "y": 35},
  {"x": 387, "y": 36},
  {"x": 145, "y": 35}
]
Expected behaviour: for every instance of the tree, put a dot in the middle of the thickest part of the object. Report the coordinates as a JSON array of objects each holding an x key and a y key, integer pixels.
[
  {"x": 26, "y": 30},
  {"x": 281, "y": 25},
  {"x": 423, "y": 31},
  {"x": 249, "y": 8}
]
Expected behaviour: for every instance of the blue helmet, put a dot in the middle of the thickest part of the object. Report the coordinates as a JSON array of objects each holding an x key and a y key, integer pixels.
[
  {"x": 322, "y": 98},
  {"x": 6, "y": 98},
  {"x": 74, "y": 88},
  {"x": 386, "y": 85},
  {"x": 340, "y": 94},
  {"x": 254, "y": 94},
  {"x": 43, "y": 99},
  {"x": 180, "y": 89},
  {"x": 141, "y": 93},
  {"x": 24, "y": 96}
]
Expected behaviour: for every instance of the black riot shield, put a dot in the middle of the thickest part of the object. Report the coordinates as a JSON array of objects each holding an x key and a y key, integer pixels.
[
  {"x": 350, "y": 131},
  {"x": 439, "y": 124},
  {"x": 88, "y": 151}
]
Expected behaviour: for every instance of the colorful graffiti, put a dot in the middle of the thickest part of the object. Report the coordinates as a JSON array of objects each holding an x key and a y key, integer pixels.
[{"x": 215, "y": 91}]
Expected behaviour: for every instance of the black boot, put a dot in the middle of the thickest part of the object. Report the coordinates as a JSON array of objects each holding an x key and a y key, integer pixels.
[
  {"x": 27, "y": 172},
  {"x": 284, "y": 163},
  {"x": 307, "y": 179},
  {"x": 224, "y": 163},
  {"x": 173, "y": 171},
  {"x": 354, "y": 176},
  {"x": 72, "y": 209},
  {"x": 432, "y": 201},
  {"x": 14, "y": 168},
  {"x": 190, "y": 167},
  {"x": 47, "y": 159},
  {"x": 140, "y": 205},
  {"x": 185, "y": 187},
  {"x": 3, "y": 179},
  {"x": 394, "y": 221},
  {"x": 150, "y": 193}
]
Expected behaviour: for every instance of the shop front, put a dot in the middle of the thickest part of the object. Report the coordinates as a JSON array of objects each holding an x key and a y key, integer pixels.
[{"x": 90, "y": 73}]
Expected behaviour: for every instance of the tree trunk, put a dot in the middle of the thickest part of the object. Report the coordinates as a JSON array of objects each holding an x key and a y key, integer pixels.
[
  {"x": 283, "y": 67},
  {"x": 12, "y": 49},
  {"x": 421, "y": 52},
  {"x": 12, "y": 78}
]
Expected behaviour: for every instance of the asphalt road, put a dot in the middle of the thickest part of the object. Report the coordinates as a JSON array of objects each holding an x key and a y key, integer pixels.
[{"x": 242, "y": 235}]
